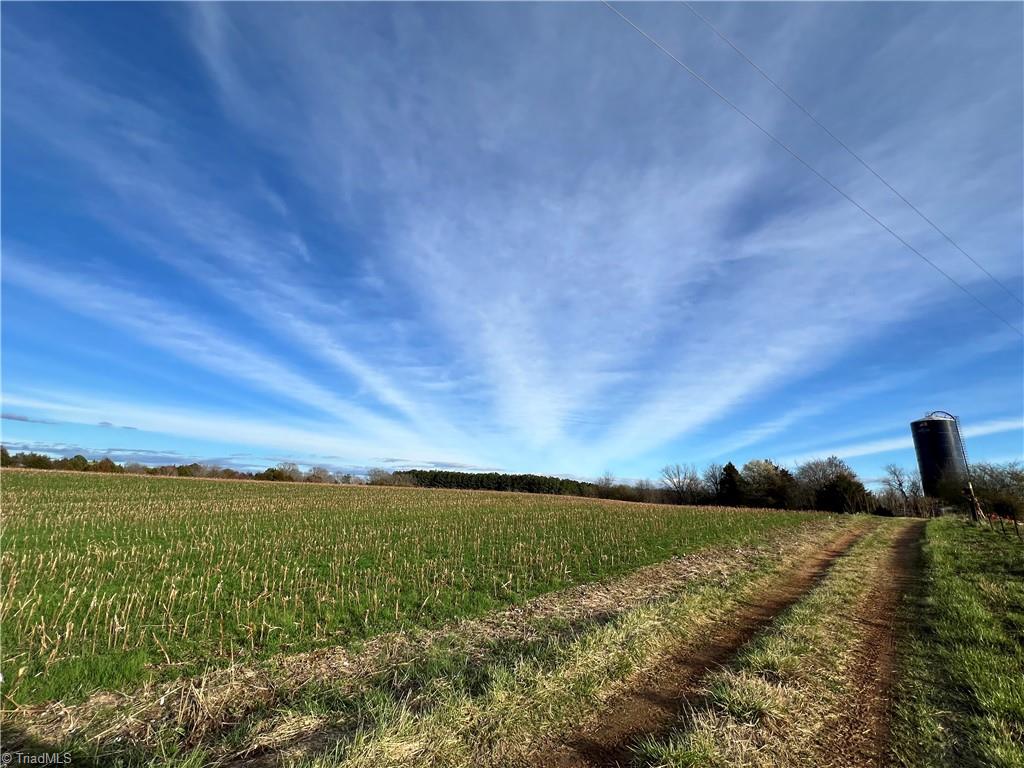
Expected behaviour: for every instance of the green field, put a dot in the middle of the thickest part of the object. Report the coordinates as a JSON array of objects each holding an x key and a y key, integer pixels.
[
  {"x": 112, "y": 580},
  {"x": 961, "y": 697}
]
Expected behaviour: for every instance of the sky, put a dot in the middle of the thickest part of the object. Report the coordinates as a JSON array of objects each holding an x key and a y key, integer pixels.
[{"x": 508, "y": 236}]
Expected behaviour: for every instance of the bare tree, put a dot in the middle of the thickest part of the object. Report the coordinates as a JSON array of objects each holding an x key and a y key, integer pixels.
[
  {"x": 646, "y": 491},
  {"x": 319, "y": 475},
  {"x": 291, "y": 470},
  {"x": 378, "y": 476},
  {"x": 713, "y": 479},
  {"x": 1000, "y": 487},
  {"x": 897, "y": 483},
  {"x": 673, "y": 477},
  {"x": 684, "y": 482}
]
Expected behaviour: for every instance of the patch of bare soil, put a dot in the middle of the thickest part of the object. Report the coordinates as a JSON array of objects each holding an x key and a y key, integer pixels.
[
  {"x": 653, "y": 702},
  {"x": 204, "y": 706},
  {"x": 861, "y": 738}
]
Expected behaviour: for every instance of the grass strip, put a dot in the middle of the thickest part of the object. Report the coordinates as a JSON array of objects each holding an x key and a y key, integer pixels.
[{"x": 960, "y": 700}]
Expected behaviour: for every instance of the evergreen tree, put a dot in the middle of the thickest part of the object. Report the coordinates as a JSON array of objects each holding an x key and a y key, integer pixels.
[
  {"x": 78, "y": 463},
  {"x": 730, "y": 487}
]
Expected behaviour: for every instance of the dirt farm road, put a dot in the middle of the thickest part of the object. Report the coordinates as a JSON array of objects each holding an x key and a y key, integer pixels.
[{"x": 653, "y": 703}]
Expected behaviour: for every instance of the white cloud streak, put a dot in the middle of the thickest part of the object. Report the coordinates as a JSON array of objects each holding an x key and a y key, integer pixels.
[
  {"x": 301, "y": 438},
  {"x": 544, "y": 282},
  {"x": 904, "y": 442},
  {"x": 206, "y": 347}
]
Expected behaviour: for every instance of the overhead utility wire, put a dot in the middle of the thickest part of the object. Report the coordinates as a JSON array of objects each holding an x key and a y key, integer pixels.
[
  {"x": 811, "y": 168},
  {"x": 853, "y": 154}
]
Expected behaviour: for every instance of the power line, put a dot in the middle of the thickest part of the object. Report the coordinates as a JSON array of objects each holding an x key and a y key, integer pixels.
[
  {"x": 853, "y": 154},
  {"x": 811, "y": 168}
]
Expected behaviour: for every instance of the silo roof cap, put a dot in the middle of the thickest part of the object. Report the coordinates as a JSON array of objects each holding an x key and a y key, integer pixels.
[{"x": 945, "y": 415}]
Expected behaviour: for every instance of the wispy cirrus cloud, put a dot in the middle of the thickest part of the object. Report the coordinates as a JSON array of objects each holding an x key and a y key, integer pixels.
[
  {"x": 186, "y": 336},
  {"x": 25, "y": 419},
  {"x": 902, "y": 442},
  {"x": 549, "y": 358},
  {"x": 546, "y": 250},
  {"x": 299, "y": 437},
  {"x": 250, "y": 266},
  {"x": 120, "y": 455}
]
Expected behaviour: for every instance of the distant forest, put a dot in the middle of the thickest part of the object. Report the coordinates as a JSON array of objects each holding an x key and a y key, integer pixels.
[
  {"x": 829, "y": 485},
  {"x": 284, "y": 472}
]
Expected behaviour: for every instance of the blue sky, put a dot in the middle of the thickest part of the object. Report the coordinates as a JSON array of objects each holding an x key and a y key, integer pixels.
[{"x": 506, "y": 236}]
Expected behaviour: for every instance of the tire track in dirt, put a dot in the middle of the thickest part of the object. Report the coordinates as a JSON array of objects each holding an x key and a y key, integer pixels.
[
  {"x": 653, "y": 703},
  {"x": 861, "y": 739}
]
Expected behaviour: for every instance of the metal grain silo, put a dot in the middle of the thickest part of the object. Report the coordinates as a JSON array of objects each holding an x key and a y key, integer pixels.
[{"x": 940, "y": 453}]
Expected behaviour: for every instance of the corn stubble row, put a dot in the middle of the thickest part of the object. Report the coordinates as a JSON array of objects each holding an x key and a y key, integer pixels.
[{"x": 176, "y": 575}]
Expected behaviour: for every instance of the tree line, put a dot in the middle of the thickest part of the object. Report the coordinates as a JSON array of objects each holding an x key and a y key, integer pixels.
[
  {"x": 998, "y": 487},
  {"x": 483, "y": 481},
  {"x": 825, "y": 484},
  {"x": 829, "y": 484},
  {"x": 283, "y": 472}
]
